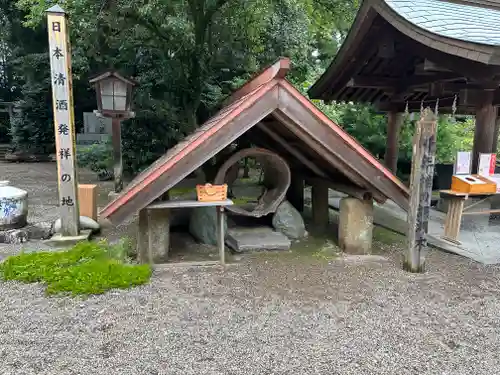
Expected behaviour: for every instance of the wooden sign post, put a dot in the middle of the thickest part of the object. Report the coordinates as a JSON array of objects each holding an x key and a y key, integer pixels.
[
  {"x": 64, "y": 120},
  {"x": 422, "y": 173}
]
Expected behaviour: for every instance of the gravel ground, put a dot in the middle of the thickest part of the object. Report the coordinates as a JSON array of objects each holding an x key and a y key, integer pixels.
[{"x": 268, "y": 315}]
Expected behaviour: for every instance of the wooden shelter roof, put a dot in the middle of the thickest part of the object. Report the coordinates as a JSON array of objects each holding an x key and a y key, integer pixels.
[
  {"x": 400, "y": 51},
  {"x": 273, "y": 115}
]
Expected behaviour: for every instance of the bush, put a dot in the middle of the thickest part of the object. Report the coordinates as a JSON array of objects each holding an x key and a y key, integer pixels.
[
  {"x": 97, "y": 157},
  {"x": 87, "y": 268},
  {"x": 33, "y": 123}
]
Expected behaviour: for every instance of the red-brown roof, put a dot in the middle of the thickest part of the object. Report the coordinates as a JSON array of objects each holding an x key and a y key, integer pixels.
[{"x": 273, "y": 102}]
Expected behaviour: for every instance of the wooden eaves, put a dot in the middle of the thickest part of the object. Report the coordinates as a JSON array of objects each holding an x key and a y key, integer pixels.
[{"x": 414, "y": 52}]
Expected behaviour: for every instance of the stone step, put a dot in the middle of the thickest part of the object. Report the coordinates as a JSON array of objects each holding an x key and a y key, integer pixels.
[{"x": 256, "y": 239}]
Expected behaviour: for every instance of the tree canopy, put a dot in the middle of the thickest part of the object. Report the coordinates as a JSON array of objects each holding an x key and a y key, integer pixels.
[{"x": 186, "y": 55}]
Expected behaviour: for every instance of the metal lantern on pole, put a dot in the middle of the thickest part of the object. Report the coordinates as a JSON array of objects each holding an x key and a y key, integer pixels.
[{"x": 114, "y": 100}]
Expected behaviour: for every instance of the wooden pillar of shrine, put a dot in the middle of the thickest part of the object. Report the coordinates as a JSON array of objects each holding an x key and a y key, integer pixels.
[
  {"x": 494, "y": 146},
  {"x": 484, "y": 134},
  {"x": 394, "y": 122}
]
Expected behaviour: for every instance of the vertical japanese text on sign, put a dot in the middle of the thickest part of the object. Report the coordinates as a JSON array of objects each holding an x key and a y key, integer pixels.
[{"x": 64, "y": 124}]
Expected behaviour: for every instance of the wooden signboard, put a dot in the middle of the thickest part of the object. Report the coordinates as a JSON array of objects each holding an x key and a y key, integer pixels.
[
  {"x": 422, "y": 173},
  {"x": 64, "y": 119}
]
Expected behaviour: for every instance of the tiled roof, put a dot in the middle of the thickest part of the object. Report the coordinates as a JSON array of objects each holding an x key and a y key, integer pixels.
[{"x": 469, "y": 23}]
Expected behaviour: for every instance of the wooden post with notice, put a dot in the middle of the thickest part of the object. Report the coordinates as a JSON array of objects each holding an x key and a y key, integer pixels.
[
  {"x": 422, "y": 173},
  {"x": 64, "y": 120}
]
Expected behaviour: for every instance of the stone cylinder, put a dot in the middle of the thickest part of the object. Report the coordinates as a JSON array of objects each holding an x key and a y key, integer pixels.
[
  {"x": 356, "y": 225},
  {"x": 13, "y": 206}
]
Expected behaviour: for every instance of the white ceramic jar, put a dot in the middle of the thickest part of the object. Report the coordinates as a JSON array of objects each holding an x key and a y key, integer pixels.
[{"x": 13, "y": 206}]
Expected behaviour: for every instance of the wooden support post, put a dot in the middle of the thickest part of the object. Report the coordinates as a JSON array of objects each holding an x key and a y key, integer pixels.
[
  {"x": 454, "y": 218},
  {"x": 486, "y": 116},
  {"x": 221, "y": 234},
  {"x": 394, "y": 122},
  {"x": 87, "y": 194},
  {"x": 494, "y": 146},
  {"x": 117, "y": 154},
  {"x": 320, "y": 209},
  {"x": 422, "y": 172},
  {"x": 143, "y": 255},
  {"x": 295, "y": 194}
]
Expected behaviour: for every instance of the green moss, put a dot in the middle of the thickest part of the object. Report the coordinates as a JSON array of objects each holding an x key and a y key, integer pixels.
[
  {"x": 386, "y": 236},
  {"x": 86, "y": 268},
  {"x": 312, "y": 247},
  {"x": 179, "y": 192},
  {"x": 241, "y": 201}
]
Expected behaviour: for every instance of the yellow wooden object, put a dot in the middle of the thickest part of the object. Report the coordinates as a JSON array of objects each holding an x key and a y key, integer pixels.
[
  {"x": 87, "y": 195},
  {"x": 211, "y": 193},
  {"x": 473, "y": 184}
]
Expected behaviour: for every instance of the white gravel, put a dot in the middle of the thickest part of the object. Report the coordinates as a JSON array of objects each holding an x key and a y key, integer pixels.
[{"x": 269, "y": 315}]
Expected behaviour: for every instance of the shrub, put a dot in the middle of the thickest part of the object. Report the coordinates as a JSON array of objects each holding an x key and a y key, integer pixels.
[
  {"x": 98, "y": 158},
  {"x": 86, "y": 268}
]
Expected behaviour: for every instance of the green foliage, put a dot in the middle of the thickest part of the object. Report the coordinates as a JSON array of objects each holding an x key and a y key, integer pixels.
[
  {"x": 96, "y": 157},
  {"x": 87, "y": 268},
  {"x": 452, "y": 136},
  {"x": 5, "y": 135},
  {"x": 32, "y": 127},
  {"x": 188, "y": 54}
]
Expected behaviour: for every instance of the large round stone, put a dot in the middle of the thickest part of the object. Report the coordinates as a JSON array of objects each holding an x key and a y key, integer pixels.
[
  {"x": 289, "y": 221},
  {"x": 203, "y": 225}
]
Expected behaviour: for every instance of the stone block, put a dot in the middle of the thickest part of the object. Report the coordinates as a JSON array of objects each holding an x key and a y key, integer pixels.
[
  {"x": 256, "y": 239},
  {"x": 85, "y": 223},
  {"x": 13, "y": 236},
  {"x": 356, "y": 225},
  {"x": 58, "y": 240},
  {"x": 40, "y": 231},
  {"x": 154, "y": 235}
]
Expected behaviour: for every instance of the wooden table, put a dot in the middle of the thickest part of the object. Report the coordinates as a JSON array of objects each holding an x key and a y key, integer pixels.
[
  {"x": 164, "y": 227},
  {"x": 456, "y": 211}
]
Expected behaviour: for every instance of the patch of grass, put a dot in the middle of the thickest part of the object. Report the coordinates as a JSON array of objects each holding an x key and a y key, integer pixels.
[
  {"x": 386, "y": 236},
  {"x": 327, "y": 252},
  {"x": 86, "y": 268},
  {"x": 241, "y": 201},
  {"x": 179, "y": 192}
]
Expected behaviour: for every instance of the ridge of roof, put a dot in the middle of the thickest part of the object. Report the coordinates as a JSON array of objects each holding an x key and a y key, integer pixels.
[
  {"x": 278, "y": 69},
  {"x": 493, "y": 4}
]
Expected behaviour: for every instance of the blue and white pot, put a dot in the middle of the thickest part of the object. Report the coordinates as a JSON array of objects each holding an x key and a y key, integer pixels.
[{"x": 13, "y": 206}]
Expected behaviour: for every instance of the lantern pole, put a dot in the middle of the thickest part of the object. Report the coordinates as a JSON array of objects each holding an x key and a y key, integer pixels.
[
  {"x": 117, "y": 153},
  {"x": 64, "y": 120}
]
